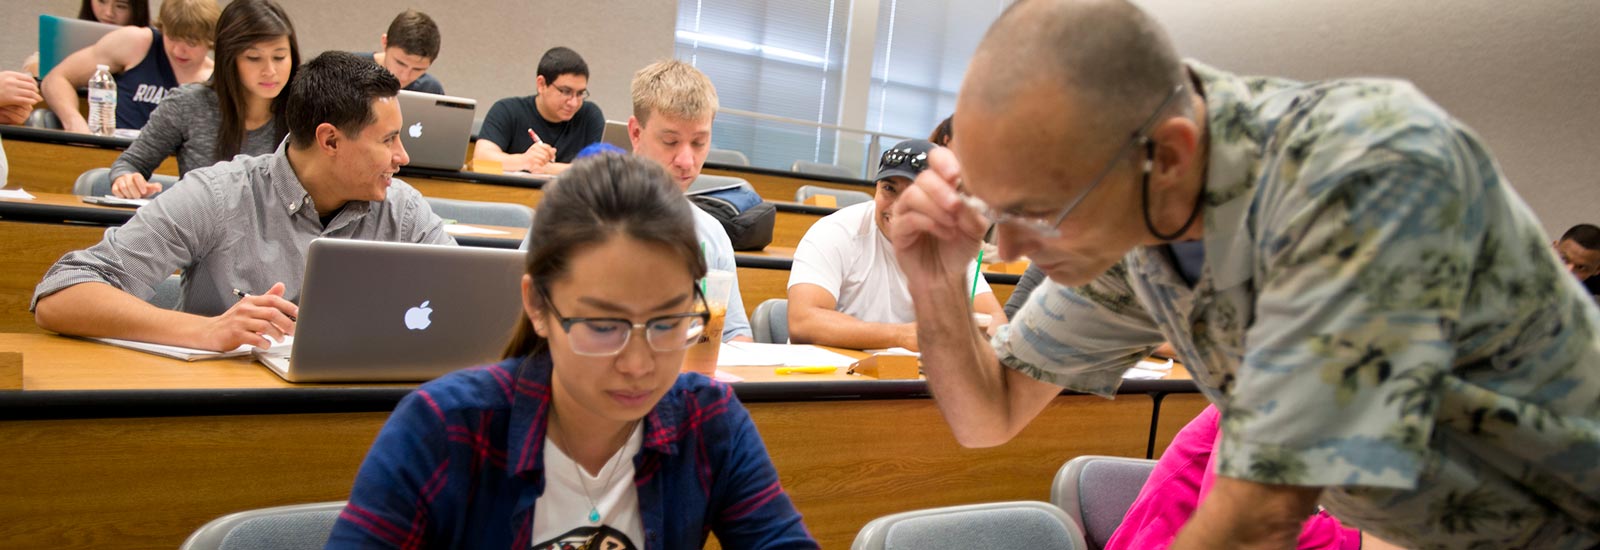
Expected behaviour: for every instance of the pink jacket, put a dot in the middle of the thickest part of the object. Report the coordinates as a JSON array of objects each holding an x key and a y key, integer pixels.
[{"x": 1182, "y": 477}]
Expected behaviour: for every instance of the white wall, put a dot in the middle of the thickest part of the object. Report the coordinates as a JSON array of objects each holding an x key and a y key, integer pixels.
[
  {"x": 489, "y": 51},
  {"x": 1522, "y": 74}
]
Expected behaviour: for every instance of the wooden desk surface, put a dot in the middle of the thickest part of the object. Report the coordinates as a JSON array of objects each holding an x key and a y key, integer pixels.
[{"x": 135, "y": 480}]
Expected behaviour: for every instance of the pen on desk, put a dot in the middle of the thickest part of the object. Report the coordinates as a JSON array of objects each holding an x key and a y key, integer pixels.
[
  {"x": 242, "y": 295},
  {"x": 805, "y": 370}
]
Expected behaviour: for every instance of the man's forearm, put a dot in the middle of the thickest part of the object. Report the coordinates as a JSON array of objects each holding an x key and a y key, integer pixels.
[
  {"x": 62, "y": 99},
  {"x": 100, "y": 310},
  {"x": 832, "y": 328},
  {"x": 1248, "y": 515},
  {"x": 966, "y": 379}
]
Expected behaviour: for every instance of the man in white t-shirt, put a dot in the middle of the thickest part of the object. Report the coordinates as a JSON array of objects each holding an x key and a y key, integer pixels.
[{"x": 846, "y": 289}]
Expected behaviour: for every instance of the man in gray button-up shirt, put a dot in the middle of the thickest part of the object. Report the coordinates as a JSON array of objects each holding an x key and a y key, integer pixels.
[{"x": 246, "y": 224}]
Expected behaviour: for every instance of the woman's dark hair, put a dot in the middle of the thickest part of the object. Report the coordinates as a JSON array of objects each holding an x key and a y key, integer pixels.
[
  {"x": 243, "y": 24},
  {"x": 944, "y": 131},
  {"x": 598, "y": 198},
  {"x": 140, "y": 18}
]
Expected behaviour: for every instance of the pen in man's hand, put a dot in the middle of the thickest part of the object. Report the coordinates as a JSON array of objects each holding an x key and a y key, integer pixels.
[{"x": 242, "y": 295}]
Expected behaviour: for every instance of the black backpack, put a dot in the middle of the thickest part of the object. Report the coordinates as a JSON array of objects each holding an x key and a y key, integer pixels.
[{"x": 747, "y": 219}]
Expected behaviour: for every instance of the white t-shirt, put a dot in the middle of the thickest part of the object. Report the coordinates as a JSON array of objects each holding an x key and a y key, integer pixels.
[
  {"x": 846, "y": 255},
  {"x": 561, "y": 515}
]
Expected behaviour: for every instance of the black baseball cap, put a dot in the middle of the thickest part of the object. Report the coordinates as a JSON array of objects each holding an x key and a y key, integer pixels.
[{"x": 907, "y": 158}]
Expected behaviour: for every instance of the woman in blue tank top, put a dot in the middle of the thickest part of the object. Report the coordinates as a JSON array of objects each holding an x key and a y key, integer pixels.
[{"x": 238, "y": 112}]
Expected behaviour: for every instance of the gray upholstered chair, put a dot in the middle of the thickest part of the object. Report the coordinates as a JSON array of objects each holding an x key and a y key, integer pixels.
[
  {"x": 503, "y": 214},
  {"x": 1023, "y": 524},
  {"x": 43, "y": 118},
  {"x": 841, "y": 196},
  {"x": 821, "y": 169},
  {"x": 97, "y": 182},
  {"x": 1096, "y": 491},
  {"x": 167, "y": 293},
  {"x": 770, "y": 323},
  {"x": 295, "y": 527},
  {"x": 728, "y": 156}
]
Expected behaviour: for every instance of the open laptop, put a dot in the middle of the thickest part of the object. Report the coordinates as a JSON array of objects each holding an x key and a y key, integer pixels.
[
  {"x": 438, "y": 129},
  {"x": 617, "y": 134},
  {"x": 379, "y": 311},
  {"x": 60, "y": 37}
]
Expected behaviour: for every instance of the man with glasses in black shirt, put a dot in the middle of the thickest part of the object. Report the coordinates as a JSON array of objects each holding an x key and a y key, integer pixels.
[{"x": 543, "y": 132}]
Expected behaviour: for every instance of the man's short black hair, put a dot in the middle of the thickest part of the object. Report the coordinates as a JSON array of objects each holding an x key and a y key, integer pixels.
[
  {"x": 1586, "y": 235},
  {"x": 338, "y": 88},
  {"x": 414, "y": 33},
  {"x": 561, "y": 60}
]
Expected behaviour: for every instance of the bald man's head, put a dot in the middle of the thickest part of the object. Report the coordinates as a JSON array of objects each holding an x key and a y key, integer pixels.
[{"x": 1108, "y": 55}]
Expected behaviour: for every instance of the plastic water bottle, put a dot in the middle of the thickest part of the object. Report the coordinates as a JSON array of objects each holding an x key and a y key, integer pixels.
[{"x": 102, "y": 102}]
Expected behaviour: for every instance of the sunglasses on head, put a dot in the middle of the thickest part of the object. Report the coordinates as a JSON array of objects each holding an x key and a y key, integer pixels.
[{"x": 896, "y": 157}]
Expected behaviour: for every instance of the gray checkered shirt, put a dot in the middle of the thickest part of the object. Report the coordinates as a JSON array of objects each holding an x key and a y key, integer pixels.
[{"x": 245, "y": 224}]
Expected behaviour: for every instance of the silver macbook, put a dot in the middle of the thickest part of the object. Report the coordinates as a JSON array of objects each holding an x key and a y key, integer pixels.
[
  {"x": 60, "y": 37},
  {"x": 379, "y": 311},
  {"x": 438, "y": 128},
  {"x": 617, "y": 134}
]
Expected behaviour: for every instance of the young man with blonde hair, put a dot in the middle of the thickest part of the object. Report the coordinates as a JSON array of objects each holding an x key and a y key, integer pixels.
[
  {"x": 673, "y": 106},
  {"x": 147, "y": 63}
]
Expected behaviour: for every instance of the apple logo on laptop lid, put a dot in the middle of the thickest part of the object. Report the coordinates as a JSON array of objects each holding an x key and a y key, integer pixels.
[
  {"x": 417, "y": 317},
  {"x": 416, "y": 130}
]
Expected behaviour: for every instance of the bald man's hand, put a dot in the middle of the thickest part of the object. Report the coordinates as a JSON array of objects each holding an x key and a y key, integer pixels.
[{"x": 935, "y": 234}]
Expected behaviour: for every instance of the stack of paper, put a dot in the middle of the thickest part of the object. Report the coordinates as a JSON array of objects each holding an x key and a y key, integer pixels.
[
  {"x": 15, "y": 194},
  {"x": 191, "y": 354},
  {"x": 749, "y": 354}
]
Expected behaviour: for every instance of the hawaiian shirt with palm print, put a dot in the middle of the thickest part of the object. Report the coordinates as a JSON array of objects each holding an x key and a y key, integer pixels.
[{"x": 1379, "y": 314}]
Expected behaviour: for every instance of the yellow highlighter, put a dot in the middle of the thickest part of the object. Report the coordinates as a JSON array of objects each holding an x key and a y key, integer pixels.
[{"x": 806, "y": 370}]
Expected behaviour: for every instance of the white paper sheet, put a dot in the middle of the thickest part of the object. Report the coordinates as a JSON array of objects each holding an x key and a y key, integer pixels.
[
  {"x": 458, "y": 229},
  {"x": 16, "y": 194},
  {"x": 190, "y": 354},
  {"x": 774, "y": 355}
]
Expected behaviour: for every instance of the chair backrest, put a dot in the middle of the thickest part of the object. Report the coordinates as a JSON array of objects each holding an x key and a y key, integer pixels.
[
  {"x": 295, "y": 527},
  {"x": 168, "y": 291},
  {"x": 770, "y": 323},
  {"x": 707, "y": 181},
  {"x": 1096, "y": 491},
  {"x": 841, "y": 196},
  {"x": 97, "y": 183},
  {"x": 1021, "y": 524},
  {"x": 820, "y": 169},
  {"x": 482, "y": 213},
  {"x": 728, "y": 156},
  {"x": 43, "y": 118}
]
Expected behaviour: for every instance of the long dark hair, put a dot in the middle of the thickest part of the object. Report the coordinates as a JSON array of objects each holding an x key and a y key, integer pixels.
[
  {"x": 140, "y": 18},
  {"x": 597, "y": 198},
  {"x": 244, "y": 23}
]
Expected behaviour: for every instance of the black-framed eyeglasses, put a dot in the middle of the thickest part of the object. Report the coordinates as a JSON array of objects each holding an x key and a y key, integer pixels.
[
  {"x": 607, "y": 336},
  {"x": 1049, "y": 226},
  {"x": 896, "y": 157},
  {"x": 569, "y": 95}
]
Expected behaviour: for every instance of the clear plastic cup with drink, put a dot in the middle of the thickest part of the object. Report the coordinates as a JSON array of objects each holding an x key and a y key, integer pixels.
[{"x": 702, "y": 356}]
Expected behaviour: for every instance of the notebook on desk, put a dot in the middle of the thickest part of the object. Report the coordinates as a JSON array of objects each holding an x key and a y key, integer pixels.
[
  {"x": 389, "y": 312},
  {"x": 438, "y": 129}
]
